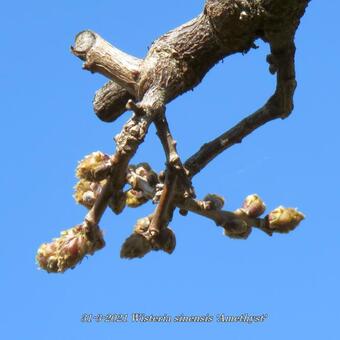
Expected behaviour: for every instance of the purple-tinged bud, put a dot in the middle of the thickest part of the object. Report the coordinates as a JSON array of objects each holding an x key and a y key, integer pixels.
[
  {"x": 283, "y": 220},
  {"x": 69, "y": 249},
  {"x": 253, "y": 206}
]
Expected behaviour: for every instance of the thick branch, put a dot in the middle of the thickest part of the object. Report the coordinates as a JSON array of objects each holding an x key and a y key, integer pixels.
[
  {"x": 102, "y": 57},
  {"x": 110, "y": 101},
  {"x": 177, "y": 61}
]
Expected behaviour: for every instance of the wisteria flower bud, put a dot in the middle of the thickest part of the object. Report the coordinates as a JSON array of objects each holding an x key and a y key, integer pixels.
[
  {"x": 46, "y": 257},
  {"x": 141, "y": 177},
  {"x": 142, "y": 225},
  {"x": 86, "y": 192},
  {"x": 89, "y": 166},
  {"x": 216, "y": 202},
  {"x": 134, "y": 198},
  {"x": 69, "y": 249},
  {"x": 117, "y": 203},
  {"x": 134, "y": 246},
  {"x": 237, "y": 229},
  {"x": 283, "y": 220},
  {"x": 167, "y": 240},
  {"x": 253, "y": 206},
  {"x": 144, "y": 170}
]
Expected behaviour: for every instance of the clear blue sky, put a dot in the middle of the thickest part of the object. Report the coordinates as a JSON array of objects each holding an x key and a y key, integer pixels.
[{"x": 47, "y": 125}]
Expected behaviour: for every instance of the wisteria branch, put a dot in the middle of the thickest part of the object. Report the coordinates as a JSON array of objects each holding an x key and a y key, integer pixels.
[{"x": 174, "y": 64}]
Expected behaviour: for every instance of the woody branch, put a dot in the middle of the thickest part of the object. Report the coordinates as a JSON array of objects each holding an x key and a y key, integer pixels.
[{"x": 176, "y": 63}]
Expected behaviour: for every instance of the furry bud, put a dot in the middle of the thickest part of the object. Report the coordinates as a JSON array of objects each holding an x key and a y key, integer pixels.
[
  {"x": 69, "y": 249},
  {"x": 167, "y": 240},
  {"x": 253, "y": 206},
  {"x": 237, "y": 229},
  {"x": 142, "y": 225},
  {"x": 86, "y": 192},
  {"x": 92, "y": 164},
  {"x": 283, "y": 220},
  {"x": 134, "y": 198},
  {"x": 117, "y": 203},
  {"x": 134, "y": 246}
]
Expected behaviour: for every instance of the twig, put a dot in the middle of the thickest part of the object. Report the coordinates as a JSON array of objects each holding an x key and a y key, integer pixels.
[
  {"x": 168, "y": 142},
  {"x": 176, "y": 178},
  {"x": 230, "y": 221},
  {"x": 280, "y": 105},
  {"x": 164, "y": 209},
  {"x": 163, "y": 212},
  {"x": 127, "y": 143}
]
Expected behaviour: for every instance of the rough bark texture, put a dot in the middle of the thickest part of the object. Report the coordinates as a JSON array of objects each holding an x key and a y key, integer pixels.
[
  {"x": 110, "y": 101},
  {"x": 174, "y": 64}
]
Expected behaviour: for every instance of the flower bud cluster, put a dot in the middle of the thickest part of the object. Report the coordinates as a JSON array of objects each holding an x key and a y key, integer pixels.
[
  {"x": 90, "y": 166},
  {"x": 141, "y": 178},
  {"x": 281, "y": 219},
  {"x": 143, "y": 181},
  {"x": 141, "y": 242},
  {"x": 69, "y": 249},
  {"x": 86, "y": 192},
  {"x": 89, "y": 187}
]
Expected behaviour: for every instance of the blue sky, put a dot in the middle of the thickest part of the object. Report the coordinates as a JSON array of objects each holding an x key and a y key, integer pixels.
[{"x": 48, "y": 125}]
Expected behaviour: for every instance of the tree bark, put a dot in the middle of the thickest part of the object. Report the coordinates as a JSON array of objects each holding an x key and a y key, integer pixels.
[{"x": 178, "y": 60}]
